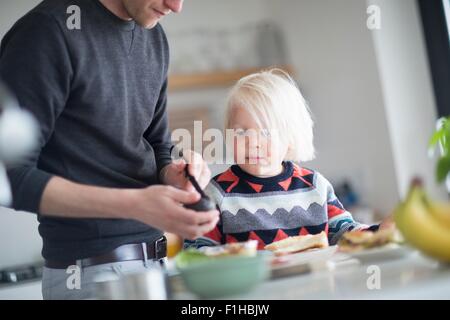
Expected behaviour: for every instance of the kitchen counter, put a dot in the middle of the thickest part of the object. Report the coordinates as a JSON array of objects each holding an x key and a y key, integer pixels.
[
  {"x": 410, "y": 277},
  {"x": 26, "y": 290}
]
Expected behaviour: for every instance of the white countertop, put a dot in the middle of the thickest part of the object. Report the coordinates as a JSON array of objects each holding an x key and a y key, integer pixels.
[
  {"x": 409, "y": 277},
  {"x": 28, "y": 290}
]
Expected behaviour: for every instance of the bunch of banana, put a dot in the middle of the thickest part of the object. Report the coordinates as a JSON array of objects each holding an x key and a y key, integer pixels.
[{"x": 425, "y": 224}]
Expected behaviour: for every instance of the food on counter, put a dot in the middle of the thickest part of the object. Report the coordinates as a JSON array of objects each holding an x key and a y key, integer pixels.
[
  {"x": 174, "y": 244},
  {"x": 193, "y": 255},
  {"x": 189, "y": 257},
  {"x": 441, "y": 212},
  {"x": 358, "y": 240},
  {"x": 424, "y": 223},
  {"x": 298, "y": 244},
  {"x": 246, "y": 248}
]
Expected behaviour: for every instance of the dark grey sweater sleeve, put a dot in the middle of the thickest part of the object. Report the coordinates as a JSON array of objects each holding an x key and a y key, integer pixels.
[
  {"x": 158, "y": 133},
  {"x": 35, "y": 65}
]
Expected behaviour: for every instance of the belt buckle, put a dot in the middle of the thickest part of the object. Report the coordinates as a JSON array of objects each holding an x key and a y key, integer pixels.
[{"x": 163, "y": 254}]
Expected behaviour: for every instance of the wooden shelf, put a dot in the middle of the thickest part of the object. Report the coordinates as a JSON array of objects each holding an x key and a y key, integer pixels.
[{"x": 214, "y": 79}]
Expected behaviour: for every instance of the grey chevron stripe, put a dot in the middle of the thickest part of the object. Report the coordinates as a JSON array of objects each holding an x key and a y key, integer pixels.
[{"x": 245, "y": 220}]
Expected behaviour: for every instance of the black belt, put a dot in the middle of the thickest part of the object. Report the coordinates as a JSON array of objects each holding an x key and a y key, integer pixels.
[{"x": 143, "y": 251}]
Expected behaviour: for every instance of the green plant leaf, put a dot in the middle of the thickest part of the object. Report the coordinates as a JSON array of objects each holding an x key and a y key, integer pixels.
[
  {"x": 435, "y": 138},
  {"x": 445, "y": 140},
  {"x": 443, "y": 168}
]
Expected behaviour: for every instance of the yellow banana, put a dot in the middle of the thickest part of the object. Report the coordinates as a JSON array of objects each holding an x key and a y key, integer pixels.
[
  {"x": 421, "y": 228},
  {"x": 441, "y": 211}
]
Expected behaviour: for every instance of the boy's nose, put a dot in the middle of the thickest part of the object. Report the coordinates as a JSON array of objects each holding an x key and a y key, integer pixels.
[
  {"x": 253, "y": 143},
  {"x": 174, "y": 5}
]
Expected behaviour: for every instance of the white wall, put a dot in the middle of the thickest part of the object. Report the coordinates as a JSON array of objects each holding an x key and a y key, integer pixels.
[
  {"x": 20, "y": 242},
  {"x": 332, "y": 51},
  {"x": 333, "y": 54},
  {"x": 10, "y": 11},
  {"x": 369, "y": 91},
  {"x": 19, "y": 239},
  {"x": 213, "y": 15},
  {"x": 407, "y": 91}
]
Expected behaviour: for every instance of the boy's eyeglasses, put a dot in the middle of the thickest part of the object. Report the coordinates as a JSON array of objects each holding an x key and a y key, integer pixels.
[{"x": 252, "y": 132}]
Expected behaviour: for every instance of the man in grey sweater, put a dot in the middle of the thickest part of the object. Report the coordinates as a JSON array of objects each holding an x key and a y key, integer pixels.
[{"x": 102, "y": 182}]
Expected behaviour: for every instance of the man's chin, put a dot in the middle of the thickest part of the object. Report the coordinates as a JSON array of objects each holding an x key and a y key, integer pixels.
[{"x": 148, "y": 24}]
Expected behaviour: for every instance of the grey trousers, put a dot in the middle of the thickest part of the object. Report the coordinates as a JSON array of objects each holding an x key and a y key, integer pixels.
[{"x": 76, "y": 283}]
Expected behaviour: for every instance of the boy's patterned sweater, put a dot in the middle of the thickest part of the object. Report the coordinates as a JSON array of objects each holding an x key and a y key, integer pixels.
[{"x": 298, "y": 201}]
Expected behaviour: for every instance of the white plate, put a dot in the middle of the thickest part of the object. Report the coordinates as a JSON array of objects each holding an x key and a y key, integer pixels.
[
  {"x": 310, "y": 255},
  {"x": 388, "y": 252},
  {"x": 302, "y": 262}
]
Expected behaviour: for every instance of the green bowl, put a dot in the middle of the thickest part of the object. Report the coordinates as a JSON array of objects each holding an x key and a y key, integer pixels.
[{"x": 225, "y": 276}]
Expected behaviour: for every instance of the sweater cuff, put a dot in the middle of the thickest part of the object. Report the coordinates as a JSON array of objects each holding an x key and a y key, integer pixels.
[
  {"x": 163, "y": 156},
  {"x": 28, "y": 185}
]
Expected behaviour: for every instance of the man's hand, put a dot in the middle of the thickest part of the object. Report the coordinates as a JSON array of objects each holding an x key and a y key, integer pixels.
[
  {"x": 173, "y": 174},
  {"x": 161, "y": 207}
]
